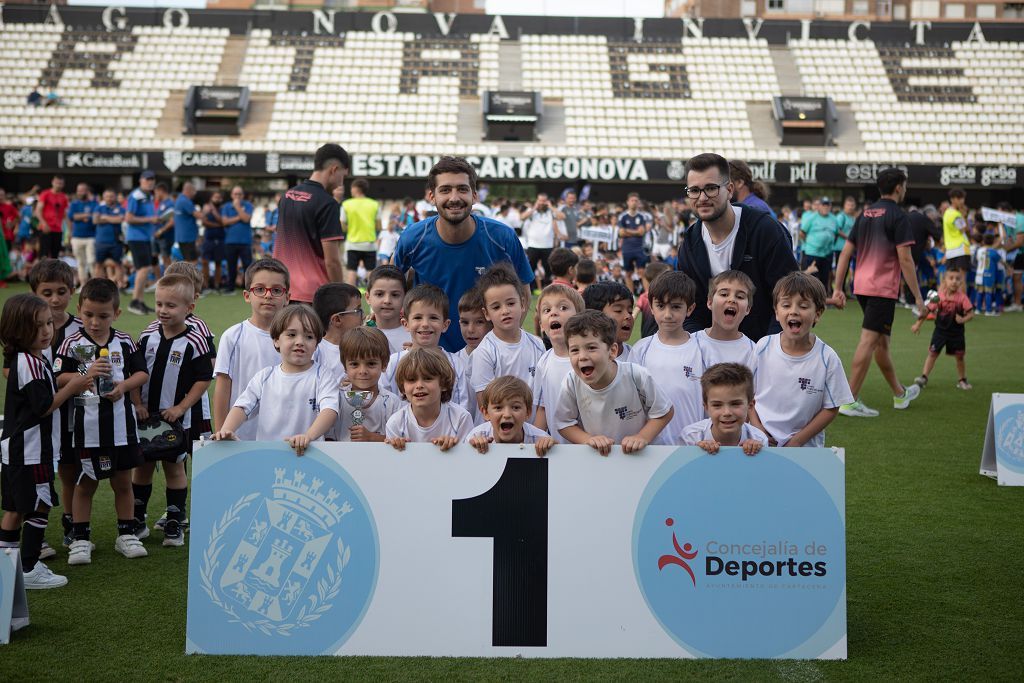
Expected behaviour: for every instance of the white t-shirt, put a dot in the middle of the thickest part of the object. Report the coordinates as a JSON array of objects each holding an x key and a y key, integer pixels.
[
  {"x": 328, "y": 354},
  {"x": 462, "y": 394},
  {"x": 397, "y": 337},
  {"x": 716, "y": 351},
  {"x": 791, "y": 390},
  {"x": 452, "y": 421},
  {"x": 547, "y": 385},
  {"x": 386, "y": 242},
  {"x": 678, "y": 369},
  {"x": 530, "y": 433},
  {"x": 627, "y": 353},
  {"x": 245, "y": 350},
  {"x": 463, "y": 357},
  {"x": 539, "y": 230},
  {"x": 294, "y": 400},
  {"x": 619, "y": 410},
  {"x": 720, "y": 255},
  {"x": 701, "y": 431},
  {"x": 375, "y": 415},
  {"x": 495, "y": 358}
]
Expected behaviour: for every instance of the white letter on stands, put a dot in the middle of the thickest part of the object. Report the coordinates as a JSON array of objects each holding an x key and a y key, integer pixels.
[
  {"x": 384, "y": 22},
  {"x": 976, "y": 35},
  {"x": 498, "y": 28},
  {"x": 753, "y": 27},
  {"x": 323, "y": 22},
  {"x": 919, "y": 27},
  {"x": 852, "y": 31},
  {"x": 108, "y": 18},
  {"x": 694, "y": 28},
  {"x": 444, "y": 22}
]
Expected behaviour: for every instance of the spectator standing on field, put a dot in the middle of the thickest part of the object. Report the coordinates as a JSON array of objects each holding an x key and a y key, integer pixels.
[
  {"x": 236, "y": 217},
  {"x": 747, "y": 191},
  {"x": 186, "y": 225},
  {"x": 213, "y": 242},
  {"x": 51, "y": 209},
  {"x": 633, "y": 226},
  {"x": 571, "y": 218},
  {"x": 956, "y": 242},
  {"x": 542, "y": 231},
  {"x": 818, "y": 233},
  {"x": 360, "y": 220},
  {"x": 141, "y": 217},
  {"x": 83, "y": 231}
]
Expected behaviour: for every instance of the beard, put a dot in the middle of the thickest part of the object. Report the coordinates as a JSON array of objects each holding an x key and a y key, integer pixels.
[
  {"x": 717, "y": 213},
  {"x": 454, "y": 212}
]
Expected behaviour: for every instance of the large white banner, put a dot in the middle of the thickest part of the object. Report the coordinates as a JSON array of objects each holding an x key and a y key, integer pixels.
[{"x": 358, "y": 549}]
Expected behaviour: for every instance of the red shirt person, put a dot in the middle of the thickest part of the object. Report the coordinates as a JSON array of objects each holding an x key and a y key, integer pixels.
[{"x": 51, "y": 210}]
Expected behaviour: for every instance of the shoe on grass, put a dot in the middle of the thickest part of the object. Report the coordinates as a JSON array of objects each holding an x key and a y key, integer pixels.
[
  {"x": 921, "y": 381},
  {"x": 41, "y": 578},
  {"x": 909, "y": 394},
  {"x": 159, "y": 524},
  {"x": 137, "y": 307},
  {"x": 857, "y": 409},
  {"x": 47, "y": 551},
  {"x": 80, "y": 552},
  {"x": 130, "y": 546},
  {"x": 964, "y": 384},
  {"x": 174, "y": 536}
]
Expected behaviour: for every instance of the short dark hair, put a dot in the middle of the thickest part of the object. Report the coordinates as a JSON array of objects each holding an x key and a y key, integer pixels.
[
  {"x": 306, "y": 315},
  {"x": 561, "y": 260},
  {"x": 328, "y": 153},
  {"x": 803, "y": 285},
  {"x": 593, "y": 322},
  {"x": 633, "y": 194},
  {"x": 672, "y": 285},
  {"x": 363, "y": 342},
  {"x": 432, "y": 295},
  {"x": 727, "y": 375},
  {"x": 18, "y": 325},
  {"x": 426, "y": 363},
  {"x": 889, "y": 179},
  {"x": 586, "y": 271},
  {"x": 703, "y": 162},
  {"x": 385, "y": 272},
  {"x": 271, "y": 265},
  {"x": 601, "y": 294},
  {"x": 957, "y": 193},
  {"x": 101, "y": 290},
  {"x": 451, "y": 165},
  {"x": 51, "y": 270},
  {"x": 162, "y": 186},
  {"x": 332, "y": 298},
  {"x": 362, "y": 183},
  {"x": 500, "y": 274},
  {"x": 655, "y": 269},
  {"x": 732, "y": 276},
  {"x": 472, "y": 300}
]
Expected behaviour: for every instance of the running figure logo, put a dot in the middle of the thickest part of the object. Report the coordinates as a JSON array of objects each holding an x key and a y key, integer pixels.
[{"x": 682, "y": 555}]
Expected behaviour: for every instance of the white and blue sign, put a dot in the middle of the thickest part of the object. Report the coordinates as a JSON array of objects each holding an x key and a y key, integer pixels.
[
  {"x": 1002, "y": 456},
  {"x": 13, "y": 605},
  {"x": 357, "y": 549}
]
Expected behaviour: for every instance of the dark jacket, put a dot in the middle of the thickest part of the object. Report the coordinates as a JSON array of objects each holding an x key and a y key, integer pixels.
[{"x": 763, "y": 250}]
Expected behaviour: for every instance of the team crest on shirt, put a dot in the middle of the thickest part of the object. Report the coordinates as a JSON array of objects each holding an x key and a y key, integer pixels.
[
  {"x": 806, "y": 386},
  {"x": 480, "y": 270},
  {"x": 57, "y": 365},
  {"x": 175, "y": 358},
  {"x": 625, "y": 413},
  {"x": 115, "y": 358},
  {"x": 533, "y": 370}
]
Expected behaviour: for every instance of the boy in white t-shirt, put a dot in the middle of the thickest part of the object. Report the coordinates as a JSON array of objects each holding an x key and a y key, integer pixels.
[
  {"x": 474, "y": 327},
  {"x": 604, "y": 401},
  {"x": 728, "y": 390},
  {"x": 615, "y": 301},
  {"x": 671, "y": 354},
  {"x": 557, "y": 303},
  {"x": 426, "y": 379},
  {"x": 506, "y": 404},
  {"x": 385, "y": 290},
  {"x": 340, "y": 308},
  {"x": 506, "y": 349},
  {"x": 364, "y": 355},
  {"x": 799, "y": 382},
  {"x": 301, "y": 396},
  {"x": 730, "y": 297},
  {"x": 247, "y": 348},
  {"x": 387, "y": 240}
]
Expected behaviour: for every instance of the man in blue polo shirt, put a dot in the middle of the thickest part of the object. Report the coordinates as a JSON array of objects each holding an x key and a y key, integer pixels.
[
  {"x": 454, "y": 247},
  {"x": 235, "y": 217},
  {"x": 141, "y": 217},
  {"x": 107, "y": 218},
  {"x": 83, "y": 232},
  {"x": 186, "y": 229},
  {"x": 163, "y": 233}
]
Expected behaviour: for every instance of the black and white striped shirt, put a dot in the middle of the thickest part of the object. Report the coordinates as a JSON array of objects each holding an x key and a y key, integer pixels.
[
  {"x": 29, "y": 438},
  {"x": 107, "y": 423},
  {"x": 200, "y": 326},
  {"x": 175, "y": 364}
]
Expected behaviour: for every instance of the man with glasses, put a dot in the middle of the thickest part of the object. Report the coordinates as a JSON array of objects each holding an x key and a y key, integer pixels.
[{"x": 731, "y": 237}]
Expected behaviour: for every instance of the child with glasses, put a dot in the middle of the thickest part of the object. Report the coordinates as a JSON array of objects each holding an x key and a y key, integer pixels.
[
  {"x": 340, "y": 309},
  {"x": 247, "y": 348}
]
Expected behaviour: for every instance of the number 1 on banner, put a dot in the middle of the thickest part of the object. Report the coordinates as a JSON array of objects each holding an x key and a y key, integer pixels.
[{"x": 514, "y": 512}]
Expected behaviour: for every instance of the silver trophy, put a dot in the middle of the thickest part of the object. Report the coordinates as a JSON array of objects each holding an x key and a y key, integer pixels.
[
  {"x": 85, "y": 354},
  {"x": 358, "y": 401}
]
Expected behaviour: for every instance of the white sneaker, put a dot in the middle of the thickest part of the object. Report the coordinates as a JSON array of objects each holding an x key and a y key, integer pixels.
[
  {"x": 141, "y": 532},
  {"x": 909, "y": 394},
  {"x": 857, "y": 409},
  {"x": 41, "y": 577},
  {"x": 130, "y": 546},
  {"x": 174, "y": 536},
  {"x": 46, "y": 552},
  {"x": 80, "y": 552},
  {"x": 1015, "y": 308}
]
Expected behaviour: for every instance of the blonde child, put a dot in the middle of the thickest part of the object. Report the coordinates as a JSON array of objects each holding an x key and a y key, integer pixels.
[
  {"x": 505, "y": 403},
  {"x": 426, "y": 378}
]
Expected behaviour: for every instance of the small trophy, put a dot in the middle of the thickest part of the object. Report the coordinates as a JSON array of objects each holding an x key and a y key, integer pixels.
[
  {"x": 358, "y": 400},
  {"x": 85, "y": 354}
]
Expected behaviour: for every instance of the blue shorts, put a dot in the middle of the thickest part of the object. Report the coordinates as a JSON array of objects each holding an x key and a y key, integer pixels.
[
  {"x": 213, "y": 250},
  {"x": 109, "y": 252},
  {"x": 633, "y": 260}
]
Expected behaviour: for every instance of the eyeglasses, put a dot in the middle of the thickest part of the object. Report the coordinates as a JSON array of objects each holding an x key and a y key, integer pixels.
[
  {"x": 275, "y": 292},
  {"x": 354, "y": 310},
  {"x": 710, "y": 191}
]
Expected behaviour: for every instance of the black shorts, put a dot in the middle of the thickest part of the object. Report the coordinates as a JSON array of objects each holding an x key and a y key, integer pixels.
[
  {"x": 213, "y": 250},
  {"x": 165, "y": 243},
  {"x": 633, "y": 260},
  {"x": 352, "y": 259},
  {"x": 1018, "y": 262},
  {"x": 24, "y": 487},
  {"x": 102, "y": 463},
  {"x": 142, "y": 253},
  {"x": 109, "y": 252},
  {"x": 68, "y": 453},
  {"x": 959, "y": 263},
  {"x": 879, "y": 312},
  {"x": 955, "y": 344},
  {"x": 189, "y": 252}
]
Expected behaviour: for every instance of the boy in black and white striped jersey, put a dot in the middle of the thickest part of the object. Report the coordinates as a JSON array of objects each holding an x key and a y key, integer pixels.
[{"x": 178, "y": 360}]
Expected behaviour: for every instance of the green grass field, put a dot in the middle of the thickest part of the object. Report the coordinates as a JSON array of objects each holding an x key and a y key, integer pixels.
[{"x": 935, "y": 557}]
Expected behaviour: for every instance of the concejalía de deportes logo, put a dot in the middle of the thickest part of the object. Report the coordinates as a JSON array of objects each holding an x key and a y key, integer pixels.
[{"x": 740, "y": 556}]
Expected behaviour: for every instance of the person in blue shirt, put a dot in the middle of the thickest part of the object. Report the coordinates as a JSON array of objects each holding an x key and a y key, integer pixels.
[
  {"x": 186, "y": 227},
  {"x": 163, "y": 233},
  {"x": 107, "y": 218},
  {"x": 746, "y": 190},
  {"x": 270, "y": 232},
  {"x": 633, "y": 226},
  {"x": 452, "y": 248},
  {"x": 818, "y": 233},
  {"x": 235, "y": 217},
  {"x": 83, "y": 232},
  {"x": 26, "y": 224},
  {"x": 213, "y": 242},
  {"x": 141, "y": 217}
]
